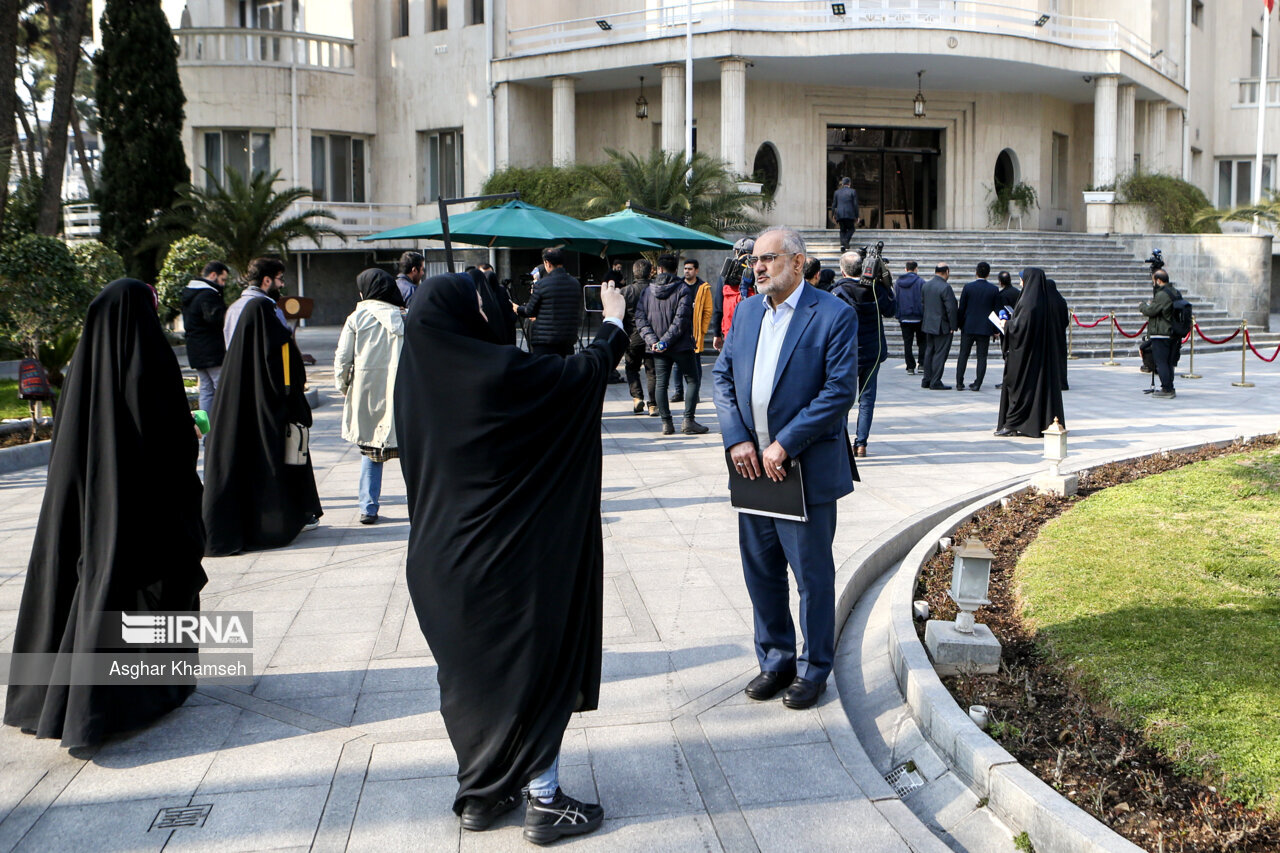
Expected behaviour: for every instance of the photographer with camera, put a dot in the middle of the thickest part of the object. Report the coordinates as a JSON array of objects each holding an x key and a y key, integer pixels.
[
  {"x": 664, "y": 318},
  {"x": 1165, "y": 340},
  {"x": 736, "y": 285}
]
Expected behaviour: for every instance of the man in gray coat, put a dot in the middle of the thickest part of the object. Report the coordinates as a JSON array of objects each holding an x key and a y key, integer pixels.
[
  {"x": 844, "y": 206},
  {"x": 941, "y": 316}
]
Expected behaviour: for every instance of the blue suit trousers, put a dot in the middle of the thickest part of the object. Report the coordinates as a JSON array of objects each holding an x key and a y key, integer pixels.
[{"x": 768, "y": 545}]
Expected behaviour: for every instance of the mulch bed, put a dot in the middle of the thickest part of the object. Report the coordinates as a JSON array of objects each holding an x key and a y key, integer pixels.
[
  {"x": 1047, "y": 722},
  {"x": 15, "y": 438}
]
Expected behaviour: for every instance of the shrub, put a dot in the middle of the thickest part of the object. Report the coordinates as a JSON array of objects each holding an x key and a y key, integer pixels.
[
  {"x": 556, "y": 188},
  {"x": 184, "y": 262},
  {"x": 1173, "y": 200},
  {"x": 99, "y": 263},
  {"x": 42, "y": 293},
  {"x": 22, "y": 210}
]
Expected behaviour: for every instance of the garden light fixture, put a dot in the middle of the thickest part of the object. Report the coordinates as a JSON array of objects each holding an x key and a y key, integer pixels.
[{"x": 970, "y": 578}]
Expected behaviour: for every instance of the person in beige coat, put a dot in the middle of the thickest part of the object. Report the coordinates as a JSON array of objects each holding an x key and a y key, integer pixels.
[{"x": 365, "y": 367}]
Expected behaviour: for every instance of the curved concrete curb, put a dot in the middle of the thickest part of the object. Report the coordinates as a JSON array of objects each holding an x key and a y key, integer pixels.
[
  {"x": 22, "y": 456},
  {"x": 1015, "y": 794}
]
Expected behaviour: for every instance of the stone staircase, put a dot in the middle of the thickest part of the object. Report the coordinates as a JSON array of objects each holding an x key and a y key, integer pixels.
[{"x": 1094, "y": 273}]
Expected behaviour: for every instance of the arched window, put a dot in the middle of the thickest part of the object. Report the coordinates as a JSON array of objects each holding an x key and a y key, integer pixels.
[
  {"x": 765, "y": 169},
  {"x": 1006, "y": 172}
]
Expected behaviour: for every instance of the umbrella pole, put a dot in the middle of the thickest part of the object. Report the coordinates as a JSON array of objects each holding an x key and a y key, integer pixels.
[{"x": 444, "y": 229}]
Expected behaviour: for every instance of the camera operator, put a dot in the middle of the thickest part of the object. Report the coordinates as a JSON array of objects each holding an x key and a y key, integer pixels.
[
  {"x": 1164, "y": 347},
  {"x": 736, "y": 285}
]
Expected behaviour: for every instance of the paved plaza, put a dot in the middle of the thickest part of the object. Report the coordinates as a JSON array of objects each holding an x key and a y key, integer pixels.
[{"x": 338, "y": 744}]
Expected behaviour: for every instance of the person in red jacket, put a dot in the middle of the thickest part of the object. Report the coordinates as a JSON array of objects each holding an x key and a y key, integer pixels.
[{"x": 725, "y": 298}]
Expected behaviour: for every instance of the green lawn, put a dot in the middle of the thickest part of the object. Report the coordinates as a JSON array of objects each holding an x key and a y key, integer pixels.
[
  {"x": 10, "y": 405},
  {"x": 1164, "y": 596}
]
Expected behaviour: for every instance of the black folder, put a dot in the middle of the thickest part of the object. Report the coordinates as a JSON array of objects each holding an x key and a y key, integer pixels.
[{"x": 763, "y": 496}]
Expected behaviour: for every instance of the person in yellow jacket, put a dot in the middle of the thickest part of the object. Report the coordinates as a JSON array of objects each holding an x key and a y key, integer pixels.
[{"x": 701, "y": 322}]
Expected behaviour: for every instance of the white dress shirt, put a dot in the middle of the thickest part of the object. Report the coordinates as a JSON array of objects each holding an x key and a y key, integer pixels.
[{"x": 773, "y": 330}]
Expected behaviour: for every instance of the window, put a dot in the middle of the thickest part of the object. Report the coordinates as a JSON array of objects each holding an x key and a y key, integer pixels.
[
  {"x": 475, "y": 12},
  {"x": 1197, "y": 13},
  {"x": 246, "y": 151},
  {"x": 440, "y": 153},
  {"x": 437, "y": 15},
  {"x": 338, "y": 168},
  {"x": 1061, "y": 159},
  {"x": 400, "y": 27},
  {"x": 765, "y": 170},
  {"x": 1235, "y": 180},
  {"x": 1255, "y": 54}
]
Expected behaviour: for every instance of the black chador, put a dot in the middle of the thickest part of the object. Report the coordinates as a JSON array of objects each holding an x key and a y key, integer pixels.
[
  {"x": 119, "y": 528},
  {"x": 1035, "y": 367},
  {"x": 252, "y": 499},
  {"x": 501, "y": 457}
]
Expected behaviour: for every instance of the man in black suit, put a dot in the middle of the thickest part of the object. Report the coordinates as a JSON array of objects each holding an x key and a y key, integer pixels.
[
  {"x": 939, "y": 323},
  {"x": 556, "y": 306},
  {"x": 977, "y": 301},
  {"x": 844, "y": 206}
]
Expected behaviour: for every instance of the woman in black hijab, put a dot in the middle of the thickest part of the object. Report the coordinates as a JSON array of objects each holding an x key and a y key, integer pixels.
[
  {"x": 1062, "y": 312},
  {"x": 501, "y": 457},
  {"x": 496, "y": 303},
  {"x": 1031, "y": 396},
  {"x": 119, "y": 527}
]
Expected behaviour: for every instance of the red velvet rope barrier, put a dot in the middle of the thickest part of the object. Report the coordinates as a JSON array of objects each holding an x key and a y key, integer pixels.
[
  {"x": 1225, "y": 340},
  {"x": 1088, "y": 325},
  {"x": 1255, "y": 349},
  {"x": 1123, "y": 332}
]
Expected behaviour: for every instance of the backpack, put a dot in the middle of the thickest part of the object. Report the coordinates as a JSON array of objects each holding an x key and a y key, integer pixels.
[{"x": 1181, "y": 318}]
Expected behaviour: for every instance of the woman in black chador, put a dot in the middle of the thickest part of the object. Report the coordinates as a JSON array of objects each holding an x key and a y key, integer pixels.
[
  {"x": 119, "y": 528},
  {"x": 1035, "y": 367},
  {"x": 252, "y": 498},
  {"x": 501, "y": 457}
]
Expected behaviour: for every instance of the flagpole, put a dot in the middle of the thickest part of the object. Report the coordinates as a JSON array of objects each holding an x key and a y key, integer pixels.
[{"x": 1262, "y": 106}]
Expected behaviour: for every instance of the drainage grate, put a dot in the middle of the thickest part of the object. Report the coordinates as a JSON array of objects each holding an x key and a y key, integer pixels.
[
  {"x": 181, "y": 817},
  {"x": 904, "y": 779}
]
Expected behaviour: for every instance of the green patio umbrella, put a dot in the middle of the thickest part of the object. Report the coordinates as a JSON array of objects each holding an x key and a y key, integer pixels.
[
  {"x": 519, "y": 225},
  {"x": 630, "y": 223}
]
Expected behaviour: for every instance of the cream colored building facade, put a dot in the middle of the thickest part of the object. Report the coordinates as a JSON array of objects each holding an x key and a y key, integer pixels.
[{"x": 384, "y": 104}]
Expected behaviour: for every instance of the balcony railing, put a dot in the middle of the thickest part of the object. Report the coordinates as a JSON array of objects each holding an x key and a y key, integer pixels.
[
  {"x": 235, "y": 46},
  {"x": 1247, "y": 91},
  {"x": 358, "y": 219},
  {"x": 80, "y": 221},
  {"x": 713, "y": 16}
]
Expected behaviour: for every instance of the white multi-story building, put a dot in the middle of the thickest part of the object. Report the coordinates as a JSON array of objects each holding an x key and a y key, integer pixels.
[{"x": 382, "y": 105}]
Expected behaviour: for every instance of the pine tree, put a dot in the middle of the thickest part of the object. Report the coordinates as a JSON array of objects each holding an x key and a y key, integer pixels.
[{"x": 140, "y": 103}]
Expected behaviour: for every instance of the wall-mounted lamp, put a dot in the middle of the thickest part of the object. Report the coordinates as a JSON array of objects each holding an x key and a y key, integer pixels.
[
  {"x": 604, "y": 25},
  {"x": 642, "y": 105},
  {"x": 1042, "y": 20},
  {"x": 837, "y": 9},
  {"x": 918, "y": 101}
]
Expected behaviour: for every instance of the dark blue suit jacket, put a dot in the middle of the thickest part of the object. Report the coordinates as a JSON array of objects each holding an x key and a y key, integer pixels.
[
  {"x": 814, "y": 387},
  {"x": 978, "y": 299}
]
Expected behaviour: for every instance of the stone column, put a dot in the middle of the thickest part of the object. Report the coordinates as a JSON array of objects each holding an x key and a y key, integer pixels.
[
  {"x": 733, "y": 114},
  {"x": 563, "y": 121},
  {"x": 1104, "y": 129},
  {"x": 1174, "y": 152},
  {"x": 1157, "y": 135},
  {"x": 1124, "y": 128},
  {"x": 673, "y": 109}
]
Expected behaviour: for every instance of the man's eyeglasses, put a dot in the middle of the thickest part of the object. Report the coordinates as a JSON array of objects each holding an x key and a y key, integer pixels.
[{"x": 768, "y": 258}]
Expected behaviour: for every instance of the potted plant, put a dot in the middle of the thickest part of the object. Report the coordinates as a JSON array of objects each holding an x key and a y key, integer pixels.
[{"x": 1005, "y": 198}]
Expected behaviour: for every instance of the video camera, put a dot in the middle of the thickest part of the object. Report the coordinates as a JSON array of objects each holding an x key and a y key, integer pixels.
[
  {"x": 735, "y": 265},
  {"x": 872, "y": 264},
  {"x": 1156, "y": 261}
]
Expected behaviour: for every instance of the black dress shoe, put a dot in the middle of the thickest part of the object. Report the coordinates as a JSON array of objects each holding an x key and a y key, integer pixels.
[
  {"x": 1004, "y": 432},
  {"x": 959, "y": 386},
  {"x": 975, "y": 387},
  {"x": 768, "y": 684},
  {"x": 803, "y": 693},
  {"x": 478, "y": 815},
  {"x": 940, "y": 387}
]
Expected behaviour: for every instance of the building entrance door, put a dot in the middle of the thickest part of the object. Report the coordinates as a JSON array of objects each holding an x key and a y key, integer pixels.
[{"x": 894, "y": 170}]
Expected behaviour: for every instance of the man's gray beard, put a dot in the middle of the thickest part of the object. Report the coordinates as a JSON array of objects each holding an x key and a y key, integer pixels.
[{"x": 770, "y": 287}]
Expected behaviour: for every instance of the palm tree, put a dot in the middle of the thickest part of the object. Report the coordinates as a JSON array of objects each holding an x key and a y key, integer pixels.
[
  {"x": 1265, "y": 211},
  {"x": 706, "y": 198},
  {"x": 247, "y": 219}
]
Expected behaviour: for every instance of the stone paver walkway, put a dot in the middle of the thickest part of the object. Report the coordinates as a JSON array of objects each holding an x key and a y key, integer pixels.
[{"x": 338, "y": 744}]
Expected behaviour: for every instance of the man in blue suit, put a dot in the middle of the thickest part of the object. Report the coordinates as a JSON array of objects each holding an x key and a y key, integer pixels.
[
  {"x": 978, "y": 300},
  {"x": 784, "y": 384}
]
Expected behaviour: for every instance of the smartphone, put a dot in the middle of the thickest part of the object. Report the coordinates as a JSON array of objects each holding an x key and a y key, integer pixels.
[{"x": 591, "y": 300}]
